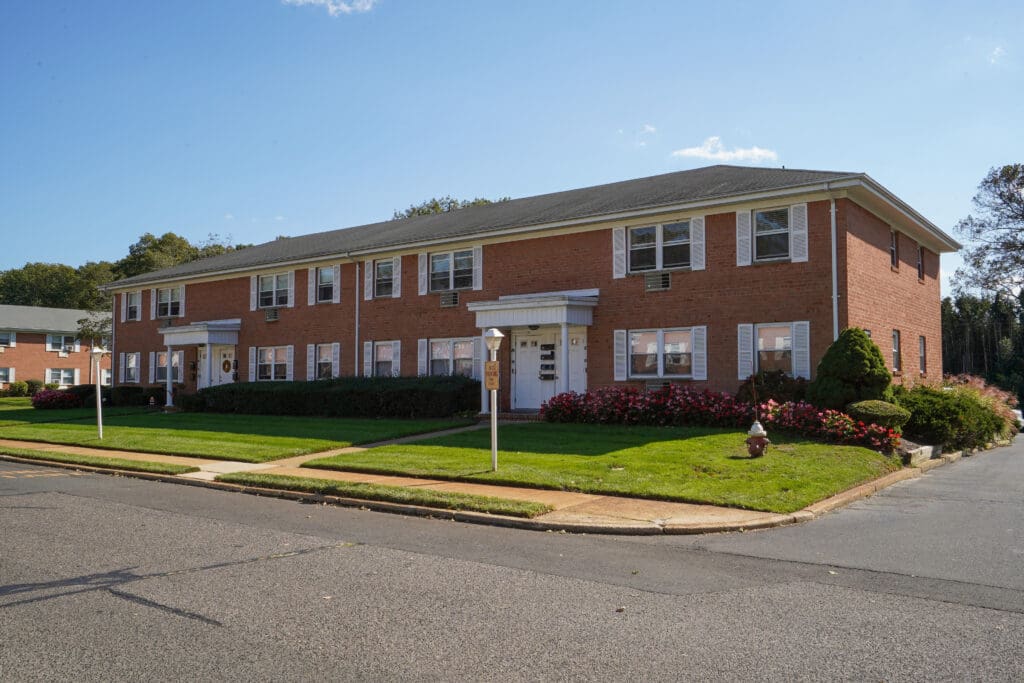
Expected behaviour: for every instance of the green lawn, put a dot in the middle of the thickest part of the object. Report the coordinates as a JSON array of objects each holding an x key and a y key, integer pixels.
[
  {"x": 392, "y": 494},
  {"x": 99, "y": 461},
  {"x": 699, "y": 465},
  {"x": 249, "y": 438},
  {"x": 11, "y": 403}
]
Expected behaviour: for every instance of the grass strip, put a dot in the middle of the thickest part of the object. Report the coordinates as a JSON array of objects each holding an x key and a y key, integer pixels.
[
  {"x": 391, "y": 494},
  {"x": 99, "y": 461}
]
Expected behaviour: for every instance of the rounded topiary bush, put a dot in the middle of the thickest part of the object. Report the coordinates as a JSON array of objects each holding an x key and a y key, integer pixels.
[
  {"x": 851, "y": 370},
  {"x": 880, "y": 413},
  {"x": 17, "y": 389}
]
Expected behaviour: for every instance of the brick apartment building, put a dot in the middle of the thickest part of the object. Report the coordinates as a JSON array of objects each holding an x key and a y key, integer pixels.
[
  {"x": 701, "y": 276},
  {"x": 39, "y": 343}
]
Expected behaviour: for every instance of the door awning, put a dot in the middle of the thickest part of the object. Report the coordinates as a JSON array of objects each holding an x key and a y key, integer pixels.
[
  {"x": 574, "y": 307},
  {"x": 207, "y": 332}
]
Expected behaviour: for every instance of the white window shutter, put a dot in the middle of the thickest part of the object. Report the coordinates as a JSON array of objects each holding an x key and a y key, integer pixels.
[
  {"x": 423, "y": 274},
  {"x": 367, "y": 280},
  {"x": 46, "y": 375},
  {"x": 152, "y": 304},
  {"x": 478, "y": 358},
  {"x": 121, "y": 363},
  {"x": 180, "y": 355},
  {"x": 743, "y": 248},
  {"x": 699, "y": 339},
  {"x": 478, "y": 268},
  {"x": 124, "y": 306},
  {"x": 745, "y": 350},
  {"x": 78, "y": 377},
  {"x": 289, "y": 356},
  {"x": 798, "y": 233},
  {"x": 181, "y": 302},
  {"x": 152, "y": 367},
  {"x": 621, "y": 356},
  {"x": 421, "y": 357},
  {"x": 396, "y": 277},
  {"x": 336, "y": 359},
  {"x": 618, "y": 252},
  {"x": 367, "y": 359},
  {"x": 14, "y": 341},
  {"x": 311, "y": 284},
  {"x": 336, "y": 292},
  {"x": 802, "y": 349},
  {"x": 10, "y": 375},
  {"x": 310, "y": 362},
  {"x": 253, "y": 294},
  {"x": 697, "y": 243},
  {"x": 78, "y": 345},
  {"x": 252, "y": 363},
  {"x": 396, "y": 358},
  {"x": 291, "y": 289}
]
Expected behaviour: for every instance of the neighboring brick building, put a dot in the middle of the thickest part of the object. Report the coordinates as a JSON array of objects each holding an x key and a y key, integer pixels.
[
  {"x": 699, "y": 276},
  {"x": 39, "y": 343}
]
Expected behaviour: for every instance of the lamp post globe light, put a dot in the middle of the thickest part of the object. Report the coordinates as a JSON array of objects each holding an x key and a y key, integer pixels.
[
  {"x": 492, "y": 338},
  {"x": 97, "y": 354}
]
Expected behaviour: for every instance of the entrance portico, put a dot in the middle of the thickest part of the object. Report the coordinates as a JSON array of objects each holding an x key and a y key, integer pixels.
[
  {"x": 548, "y": 338},
  {"x": 216, "y": 340}
]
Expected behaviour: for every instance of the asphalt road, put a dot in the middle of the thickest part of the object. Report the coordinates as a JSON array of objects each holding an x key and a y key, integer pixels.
[{"x": 109, "y": 578}]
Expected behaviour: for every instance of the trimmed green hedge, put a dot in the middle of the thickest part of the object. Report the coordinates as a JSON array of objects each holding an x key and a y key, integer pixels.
[
  {"x": 403, "y": 397},
  {"x": 948, "y": 417},
  {"x": 879, "y": 413}
]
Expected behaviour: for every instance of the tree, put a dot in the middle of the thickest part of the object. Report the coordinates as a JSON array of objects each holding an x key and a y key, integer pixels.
[
  {"x": 52, "y": 285},
  {"x": 852, "y": 369},
  {"x": 442, "y": 205},
  {"x": 994, "y": 257}
]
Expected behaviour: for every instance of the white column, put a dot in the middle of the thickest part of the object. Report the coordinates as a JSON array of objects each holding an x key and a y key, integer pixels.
[
  {"x": 209, "y": 364},
  {"x": 563, "y": 380},
  {"x": 170, "y": 380},
  {"x": 485, "y": 405}
]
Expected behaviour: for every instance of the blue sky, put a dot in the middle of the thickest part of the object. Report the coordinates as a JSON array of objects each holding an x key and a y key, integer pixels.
[{"x": 258, "y": 118}]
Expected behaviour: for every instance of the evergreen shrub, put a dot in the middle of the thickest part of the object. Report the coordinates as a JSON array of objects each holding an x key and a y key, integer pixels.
[
  {"x": 879, "y": 413},
  {"x": 851, "y": 370}
]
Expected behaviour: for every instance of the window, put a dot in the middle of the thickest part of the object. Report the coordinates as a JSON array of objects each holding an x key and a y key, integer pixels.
[
  {"x": 660, "y": 353},
  {"x": 383, "y": 277},
  {"x": 5, "y": 338},
  {"x": 894, "y": 249},
  {"x": 897, "y": 360},
  {"x": 922, "y": 352},
  {"x": 383, "y": 359},
  {"x": 920, "y": 262},
  {"x": 161, "y": 366},
  {"x": 131, "y": 367},
  {"x": 272, "y": 362},
  {"x": 65, "y": 377},
  {"x": 451, "y": 357},
  {"x": 775, "y": 348},
  {"x": 168, "y": 302},
  {"x": 659, "y": 247},
  {"x": 324, "y": 285},
  {"x": 324, "y": 361},
  {"x": 60, "y": 342},
  {"x": 452, "y": 270},
  {"x": 133, "y": 306},
  {"x": 274, "y": 290},
  {"x": 106, "y": 377},
  {"x": 771, "y": 234},
  {"x": 5, "y": 375}
]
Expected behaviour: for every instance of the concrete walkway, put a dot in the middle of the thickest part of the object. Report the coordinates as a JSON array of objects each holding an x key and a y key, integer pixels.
[{"x": 579, "y": 512}]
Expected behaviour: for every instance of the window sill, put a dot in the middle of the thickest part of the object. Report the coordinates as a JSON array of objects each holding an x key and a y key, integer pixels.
[
  {"x": 448, "y": 291},
  {"x": 681, "y": 269},
  {"x": 780, "y": 259}
]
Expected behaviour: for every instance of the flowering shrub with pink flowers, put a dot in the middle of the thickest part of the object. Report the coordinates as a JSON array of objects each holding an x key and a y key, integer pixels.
[
  {"x": 48, "y": 399},
  {"x": 680, "y": 405}
]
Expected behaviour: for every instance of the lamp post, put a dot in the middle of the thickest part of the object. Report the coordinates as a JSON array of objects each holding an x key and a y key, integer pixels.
[
  {"x": 97, "y": 354},
  {"x": 492, "y": 338}
]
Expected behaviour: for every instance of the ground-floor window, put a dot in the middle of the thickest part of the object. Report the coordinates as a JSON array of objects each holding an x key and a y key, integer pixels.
[
  {"x": 5, "y": 375},
  {"x": 324, "y": 361},
  {"x": 775, "y": 348},
  {"x": 661, "y": 353},
  {"x": 897, "y": 355},
  {"x": 130, "y": 367},
  {"x": 922, "y": 353},
  {"x": 161, "y": 366},
  {"x": 106, "y": 377},
  {"x": 65, "y": 377},
  {"x": 451, "y": 357},
  {"x": 384, "y": 359},
  {"x": 272, "y": 363}
]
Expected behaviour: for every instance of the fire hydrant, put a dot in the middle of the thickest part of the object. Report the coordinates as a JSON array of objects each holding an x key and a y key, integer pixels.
[{"x": 757, "y": 440}]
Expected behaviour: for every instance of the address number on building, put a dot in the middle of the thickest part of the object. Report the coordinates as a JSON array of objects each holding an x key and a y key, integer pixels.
[{"x": 491, "y": 375}]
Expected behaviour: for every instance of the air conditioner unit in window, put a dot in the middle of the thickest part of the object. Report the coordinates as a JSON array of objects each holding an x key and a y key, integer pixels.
[
  {"x": 449, "y": 300},
  {"x": 271, "y": 314},
  {"x": 657, "y": 282}
]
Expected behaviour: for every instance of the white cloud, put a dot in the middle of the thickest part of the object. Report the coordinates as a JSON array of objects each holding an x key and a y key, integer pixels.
[
  {"x": 229, "y": 217},
  {"x": 648, "y": 128},
  {"x": 712, "y": 149},
  {"x": 278, "y": 218},
  {"x": 337, "y": 7},
  {"x": 997, "y": 54}
]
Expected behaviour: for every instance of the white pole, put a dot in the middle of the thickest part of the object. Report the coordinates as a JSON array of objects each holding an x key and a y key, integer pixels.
[
  {"x": 494, "y": 420},
  {"x": 99, "y": 397}
]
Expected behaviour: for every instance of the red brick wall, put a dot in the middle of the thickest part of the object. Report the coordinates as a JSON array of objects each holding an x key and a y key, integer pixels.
[
  {"x": 882, "y": 298},
  {"x": 30, "y": 359}
]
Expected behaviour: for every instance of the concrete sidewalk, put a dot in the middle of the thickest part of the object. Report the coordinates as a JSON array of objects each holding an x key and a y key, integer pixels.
[{"x": 575, "y": 512}]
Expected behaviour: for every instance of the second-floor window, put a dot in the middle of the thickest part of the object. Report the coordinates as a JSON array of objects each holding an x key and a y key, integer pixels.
[
  {"x": 894, "y": 249},
  {"x": 133, "y": 306},
  {"x": 383, "y": 278},
  {"x": 60, "y": 342},
  {"x": 273, "y": 290},
  {"x": 168, "y": 302},
  {"x": 771, "y": 234},
  {"x": 920, "y": 262},
  {"x": 451, "y": 270},
  {"x": 659, "y": 247},
  {"x": 324, "y": 285},
  {"x": 5, "y": 338}
]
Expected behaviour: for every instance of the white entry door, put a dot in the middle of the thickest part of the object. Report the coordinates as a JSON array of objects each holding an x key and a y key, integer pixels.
[
  {"x": 535, "y": 379},
  {"x": 223, "y": 366}
]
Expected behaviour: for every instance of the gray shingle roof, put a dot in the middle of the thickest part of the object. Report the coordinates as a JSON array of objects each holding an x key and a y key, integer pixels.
[
  {"x": 39, "y": 319},
  {"x": 702, "y": 184}
]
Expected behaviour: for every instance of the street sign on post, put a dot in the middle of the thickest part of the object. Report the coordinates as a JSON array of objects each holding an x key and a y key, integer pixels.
[{"x": 491, "y": 375}]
